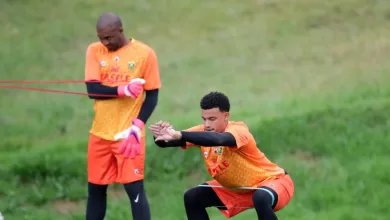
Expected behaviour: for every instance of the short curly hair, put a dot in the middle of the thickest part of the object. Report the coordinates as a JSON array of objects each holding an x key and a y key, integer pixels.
[{"x": 215, "y": 100}]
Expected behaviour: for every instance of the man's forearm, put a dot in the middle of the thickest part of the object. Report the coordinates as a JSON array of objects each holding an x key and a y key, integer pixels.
[
  {"x": 205, "y": 138},
  {"x": 175, "y": 143},
  {"x": 149, "y": 104},
  {"x": 96, "y": 89}
]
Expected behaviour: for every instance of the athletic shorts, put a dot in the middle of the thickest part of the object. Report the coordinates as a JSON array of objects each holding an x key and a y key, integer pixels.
[
  {"x": 106, "y": 165},
  {"x": 236, "y": 203}
]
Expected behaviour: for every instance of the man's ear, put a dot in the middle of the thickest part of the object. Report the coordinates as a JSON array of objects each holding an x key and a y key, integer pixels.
[{"x": 227, "y": 115}]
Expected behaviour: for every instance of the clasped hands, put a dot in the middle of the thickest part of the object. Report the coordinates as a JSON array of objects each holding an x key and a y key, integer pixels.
[{"x": 163, "y": 131}]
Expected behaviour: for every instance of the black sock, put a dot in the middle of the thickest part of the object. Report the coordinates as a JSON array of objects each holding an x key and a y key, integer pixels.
[
  {"x": 264, "y": 203},
  {"x": 139, "y": 203},
  {"x": 97, "y": 202}
]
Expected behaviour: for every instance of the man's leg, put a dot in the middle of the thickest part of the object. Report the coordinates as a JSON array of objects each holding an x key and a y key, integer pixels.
[
  {"x": 197, "y": 199},
  {"x": 101, "y": 172},
  {"x": 264, "y": 200},
  {"x": 138, "y": 200},
  {"x": 272, "y": 196},
  {"x": 97, "y": 202},
  {"x": 131, "y": 175}
]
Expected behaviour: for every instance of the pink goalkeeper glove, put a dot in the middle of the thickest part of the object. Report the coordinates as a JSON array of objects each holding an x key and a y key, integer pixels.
[
  {"x": 133, "y": 89},
  {"x": 131, "y": 145}
]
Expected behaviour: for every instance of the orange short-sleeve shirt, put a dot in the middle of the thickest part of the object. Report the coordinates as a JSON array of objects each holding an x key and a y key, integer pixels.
[
  {"x": 243, "y": 165},
  {"x": 135, "y": 60}
]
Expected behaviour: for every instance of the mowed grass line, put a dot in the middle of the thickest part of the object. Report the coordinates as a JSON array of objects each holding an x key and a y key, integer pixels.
[{"x": 290, "y": 69}]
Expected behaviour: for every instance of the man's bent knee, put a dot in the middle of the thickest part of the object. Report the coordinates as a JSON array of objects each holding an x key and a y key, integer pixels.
[
  {"x": 189, "y": 197},
  {"x": 265, "y": 196},
  {"x": 192, "y": 196}
]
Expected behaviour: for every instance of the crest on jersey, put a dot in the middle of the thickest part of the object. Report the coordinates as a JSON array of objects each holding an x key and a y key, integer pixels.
[
  {"x": 220, "y": 150},
  {"x": 131, "y": 65}
]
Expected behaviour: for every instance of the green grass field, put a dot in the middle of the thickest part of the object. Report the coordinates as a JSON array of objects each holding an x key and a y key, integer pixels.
[{"x": 311, "y": 78}]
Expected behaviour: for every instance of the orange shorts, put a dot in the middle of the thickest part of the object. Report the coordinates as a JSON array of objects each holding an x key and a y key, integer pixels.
[
  {"x": 106, "y": 165},
  {"x": 237, "y": 203}
]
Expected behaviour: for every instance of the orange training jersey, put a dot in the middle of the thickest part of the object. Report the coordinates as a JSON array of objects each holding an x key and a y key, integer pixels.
[
  {"x": 135, "y": 60},
  {"x": 244, "y": 165}
]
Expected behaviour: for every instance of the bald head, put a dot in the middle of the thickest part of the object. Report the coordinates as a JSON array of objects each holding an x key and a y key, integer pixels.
[
  {"x": 109, "y": 21},
  {"x": 110, "y": 32}
]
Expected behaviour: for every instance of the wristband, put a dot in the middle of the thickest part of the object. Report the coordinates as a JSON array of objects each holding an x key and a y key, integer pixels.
[
  {"x": 121, "y": 90},
  {"x": 139, "y": 123}
]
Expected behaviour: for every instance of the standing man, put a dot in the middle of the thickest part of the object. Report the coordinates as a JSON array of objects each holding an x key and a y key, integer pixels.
[
  {"x": 243, "y": 176},
  {"x": 118, "y": 70}
]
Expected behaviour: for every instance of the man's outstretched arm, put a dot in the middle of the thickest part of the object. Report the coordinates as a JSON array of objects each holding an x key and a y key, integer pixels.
[
  {"x": 174, "y": 143},
  {"x": 206, "y": 138},
  {"x": 200, "y": 138}
]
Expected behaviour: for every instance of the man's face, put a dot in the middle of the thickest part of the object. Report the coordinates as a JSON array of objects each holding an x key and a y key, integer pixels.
[
  {"x": 214, "y": 119},
  {"x": 112, "y": 39}
]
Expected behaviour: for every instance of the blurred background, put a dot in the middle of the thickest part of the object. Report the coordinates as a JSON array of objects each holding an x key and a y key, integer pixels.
[{"x": 311, "y": 78}]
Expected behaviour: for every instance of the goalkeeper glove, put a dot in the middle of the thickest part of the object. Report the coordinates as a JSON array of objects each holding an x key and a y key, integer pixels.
[
  {"x": 131, "y": 145},
  {"x": 133, "y": 89}
]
